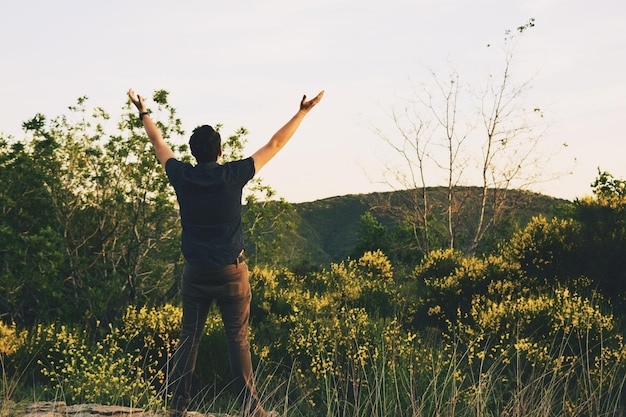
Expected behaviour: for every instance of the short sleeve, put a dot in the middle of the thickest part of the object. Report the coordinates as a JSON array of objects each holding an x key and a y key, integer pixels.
[{"x": 173, "y": 169}]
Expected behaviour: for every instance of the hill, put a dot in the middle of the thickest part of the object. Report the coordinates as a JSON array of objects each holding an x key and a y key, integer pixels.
[{"x": 327, "y": 229}]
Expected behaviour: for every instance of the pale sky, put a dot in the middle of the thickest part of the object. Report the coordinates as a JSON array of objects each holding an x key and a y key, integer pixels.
[{"x": 247, "y": 63}]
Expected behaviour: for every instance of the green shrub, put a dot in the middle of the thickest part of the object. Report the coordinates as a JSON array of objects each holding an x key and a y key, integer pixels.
[
  {"x": 83, "y": 372},
  {"x": 447, "y": 281},
  {"x": 546, "y": 249},
  {"x": 127, "y": 364},
  {"x": 555, "y": 331}
]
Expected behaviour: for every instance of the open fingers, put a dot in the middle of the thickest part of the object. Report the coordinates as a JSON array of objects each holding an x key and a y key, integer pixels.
[
  {"x": 318, "y": 97},
  {"x": 305, "y": 105},
  {"x": 136, "y": 99}
]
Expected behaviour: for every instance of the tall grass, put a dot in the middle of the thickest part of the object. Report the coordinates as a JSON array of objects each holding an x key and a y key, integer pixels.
[
  {"x": 424, "y": 377},
  {"x": 450, "y": 386}
]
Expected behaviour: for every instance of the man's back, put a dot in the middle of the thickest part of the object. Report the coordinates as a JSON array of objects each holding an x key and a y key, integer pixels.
[{"x": 209, "y": 196}]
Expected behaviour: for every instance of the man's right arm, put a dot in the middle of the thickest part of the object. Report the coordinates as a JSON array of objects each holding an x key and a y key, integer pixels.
[
  {"x": 162, "y": 149},
  {"x": 282, "y": 136}
]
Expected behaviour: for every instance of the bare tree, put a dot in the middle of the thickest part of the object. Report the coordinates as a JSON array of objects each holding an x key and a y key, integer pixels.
[
  {"x": 509, "y": 140},
  {"x": 485, "y": 137},
  {"x": 413, "y": 146},
  {"x": 452, "y": 142},
  {"x": 429, "y": 137}
]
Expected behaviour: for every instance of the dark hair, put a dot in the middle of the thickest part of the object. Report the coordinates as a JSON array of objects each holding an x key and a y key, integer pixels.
[{"x": 205, "y": 144}]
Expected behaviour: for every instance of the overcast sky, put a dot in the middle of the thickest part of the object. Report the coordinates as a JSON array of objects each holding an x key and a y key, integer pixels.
[{"x": 247, "y": 63}]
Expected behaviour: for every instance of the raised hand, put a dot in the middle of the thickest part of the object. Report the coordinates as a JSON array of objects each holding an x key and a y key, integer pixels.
[
  {"x": 137, "y": 101},
  {"x": 308, "y": 105}
]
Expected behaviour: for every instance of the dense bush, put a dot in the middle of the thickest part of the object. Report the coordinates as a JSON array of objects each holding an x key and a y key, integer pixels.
[
  {"x": 547, "y": 249},
  {"x": 338, "y": 356},
  {"x": 90, "y": 225},
  {"x": 446, "y": 282}
]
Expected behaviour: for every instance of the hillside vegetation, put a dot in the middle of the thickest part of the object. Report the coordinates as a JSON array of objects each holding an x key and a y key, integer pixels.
[
  {"x": 352, "y": 314},
  {"x": 330, "y": 227}
]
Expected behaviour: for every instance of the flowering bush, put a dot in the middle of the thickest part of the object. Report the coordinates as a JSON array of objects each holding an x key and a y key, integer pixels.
[
  {"x": 100, "y": 373},
  {"x": 546, "y": 249},
  {"x": 11, "y": 339},
  {"x": 448, "y": 281},
  {"x": 501, "y": 344},
  {"x": 555, "y": 333}
]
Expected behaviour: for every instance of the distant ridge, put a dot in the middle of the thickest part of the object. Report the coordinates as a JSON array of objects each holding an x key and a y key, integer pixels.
[{"x": 327, "y": 229}]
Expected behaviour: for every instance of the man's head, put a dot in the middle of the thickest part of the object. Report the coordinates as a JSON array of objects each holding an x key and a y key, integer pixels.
[{"x": 205, "y": 144}]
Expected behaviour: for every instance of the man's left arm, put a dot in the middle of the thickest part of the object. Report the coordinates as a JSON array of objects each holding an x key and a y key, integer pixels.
[
  {"x": 284, "y": 134},
  {"x": 162, "y": 149}
]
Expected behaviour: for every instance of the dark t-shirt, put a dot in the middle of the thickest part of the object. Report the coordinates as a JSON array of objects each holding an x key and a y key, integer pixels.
[{"x": 209, "y": 198}]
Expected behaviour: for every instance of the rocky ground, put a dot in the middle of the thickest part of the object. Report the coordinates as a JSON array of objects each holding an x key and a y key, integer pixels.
[{"x": 60, "y": 409}]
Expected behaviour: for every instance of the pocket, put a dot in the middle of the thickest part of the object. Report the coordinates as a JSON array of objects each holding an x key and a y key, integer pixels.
[{"x": 237, "y": 289}]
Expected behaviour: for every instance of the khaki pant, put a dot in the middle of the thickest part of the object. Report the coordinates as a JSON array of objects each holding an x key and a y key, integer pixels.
[{"x": 229, "y": 287}]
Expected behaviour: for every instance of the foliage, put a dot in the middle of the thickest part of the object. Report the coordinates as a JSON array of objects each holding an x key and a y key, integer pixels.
[
  {"x": 338, "y": 227},
  {"x": 447, "y": 281},
  {"x": 126, "y": 364},
  {"x": 323, "y": 324},
  {"x": 11, "y": 339},
  {"x": 529, "y": 325},
  {"x": 89, "y": 222},
  {"x": 588, "y": 240},
  {"x": 102, "y": 231},
  {"x": 546, "y": 249},
  {"x": 102, "y": 372},
  {"x": 396, "y": 241},
  {"x": 331, "y": 224},
  {"x": 539, "y": 326},
  {"x": 602, "y": 237},
  {"x": 608, "y": 190},
  {"x": 372, "y": 235},
  {"x": 32, "y": 254},
  {"x": 559, "y": 334},
  {"x": 367, "y": 281},
  {"x": 152, "y": 335},
  {"x": 339, "y": 350}
]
